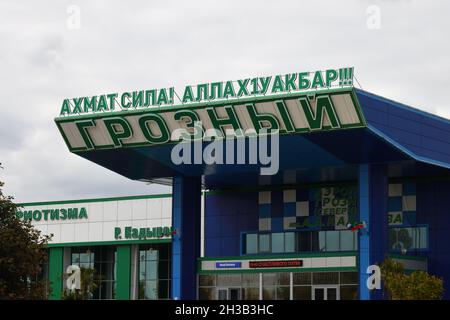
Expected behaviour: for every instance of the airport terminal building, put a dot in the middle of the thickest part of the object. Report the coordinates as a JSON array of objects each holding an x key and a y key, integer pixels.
[{"x": 360, "y": 178}]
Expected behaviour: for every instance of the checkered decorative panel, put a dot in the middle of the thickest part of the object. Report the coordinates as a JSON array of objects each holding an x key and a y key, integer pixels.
[
  {"x": 312, "y": 209},
  {"x": 402, "y": 204}
]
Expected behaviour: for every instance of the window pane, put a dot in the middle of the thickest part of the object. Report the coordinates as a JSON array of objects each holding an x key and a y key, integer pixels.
[
  {"x": 284, "y": 278},
  {"x": 349, "y": 277},
  {"x": 346, "y": 240},
  {"x": 206, "y": 280},
  {"x": 75, "y": 258},
  {"x": 302, "y": 278},
  {"x": 163, "y": 289},
  {"x": 349, "y": 292},
  {"x": 319, "y": 293},
  {"x": 408, "y": 238},
  {"x": 151, "y": 268},
  {"x": 85, "y": 258},
  {"x": 325, "y": 278},
  {"x": 283, "y": 293},
  {"x": 392, "y": 238},
  {"x": 86, "y": 265},
  {"x": 423, "y": 237},
  {"x": 277, "y": 242},
  {"x": 302, "y": 293},
  {"x": 405, "y": 238},
  {"x": 141, "y": 270},
  {"x": 206, "y": 293},
  {"x": 304, "y": 241},
  {"x": 332, "y": 241},
  {"x": 289, "y": 242},
  {"x": 151, "y": 255},
  {"x": 269, "y": 293},
  {"x": 251, "y": 244},
  {"x": 250, "y": 280},
  {"x": 264, "y": 243},
  {"x": 222, "y": 294},
  {"x": 151, "y": 291},
  {"x": 250, "y": 293},
  {"x": 269, "y": 279},
  {"x": 105, "y": 271},
  {"x": 141, "y": 255},
  {"x": 141, "y": 289},
  {"x": 163, "y": 269},
  {"x": 228, "y": 280},
  {"x": 318, "y": 240},
  {"x": 163, "y": 252},
  {"x": 331, "y": 294}
]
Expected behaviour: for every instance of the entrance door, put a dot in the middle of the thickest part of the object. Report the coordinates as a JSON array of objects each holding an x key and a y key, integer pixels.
[
  {"x": 234, "y": 293},
  {"x": 222, "y": 294},
  {"x": 228, "y": 293},
  {"x": 325, "y": 293}
]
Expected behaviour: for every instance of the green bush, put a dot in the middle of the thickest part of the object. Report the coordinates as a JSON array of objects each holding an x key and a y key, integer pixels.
[
  {"x": 418, "y": 285},
  {"x": 89, "y": 283}
]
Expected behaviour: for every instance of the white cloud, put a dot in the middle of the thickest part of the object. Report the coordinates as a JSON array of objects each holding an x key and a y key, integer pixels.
[{"x": 124, "y": 45}]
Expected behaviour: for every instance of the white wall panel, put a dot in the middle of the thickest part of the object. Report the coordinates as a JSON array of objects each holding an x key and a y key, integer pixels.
[
  {"x": 81, "y": 231},
  {"x": 139, "y": 209},
  {"x": 68, "y": 232},
  {"x": 110, "y": 209},
  {"x": 103, "y": 217},
  {"x": 166, "y": 208},
  {"x": 42, "y": 228},
  {"x": 165, "y": 222},
  {"x": 154, "y": 208},
  {"x": 54, "y": 229},
  {"x": 95, "y": 211},
  {"x": 125, "y": 210},
  {"x": 348, "y": 261},
  {"x": 96, "y": 231},
  {"x": 318, "y": 263},
  {"x": 108, "y": 230}
]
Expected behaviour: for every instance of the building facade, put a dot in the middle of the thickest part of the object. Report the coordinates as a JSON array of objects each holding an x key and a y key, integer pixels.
[
  {"x": 342, "y": 180},
  {"x": 282, "y": 243},
  {"x": 125, "y": 242}
]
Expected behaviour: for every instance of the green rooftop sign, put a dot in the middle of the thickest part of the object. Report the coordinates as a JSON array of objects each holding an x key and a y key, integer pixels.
[
  {"x": 215, "y": 91},
  {"x": 53, "y": 214},
  {"x": 294, "y": 103},
  {"x": 291, "y": 114}
]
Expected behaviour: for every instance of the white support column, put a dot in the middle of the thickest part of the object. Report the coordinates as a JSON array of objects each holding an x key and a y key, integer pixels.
[
  {"x": 260, "y": 287},
  {"x": 134, "y": 272}
]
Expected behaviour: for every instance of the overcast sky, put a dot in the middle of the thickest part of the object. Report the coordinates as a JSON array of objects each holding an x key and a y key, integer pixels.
[{"x": 126, "y": 45}]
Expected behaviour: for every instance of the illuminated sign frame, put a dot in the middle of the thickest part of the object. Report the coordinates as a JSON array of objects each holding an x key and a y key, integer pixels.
[
  {"x": 229, "y": 265},
  {"x": 286, "y": 114},
  {"x": 215, "y": 91},
  {"x": 275, "y": 264}
]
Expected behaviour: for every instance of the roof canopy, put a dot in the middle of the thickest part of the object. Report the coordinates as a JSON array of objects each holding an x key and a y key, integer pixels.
[{"x": 323, "y": 136}]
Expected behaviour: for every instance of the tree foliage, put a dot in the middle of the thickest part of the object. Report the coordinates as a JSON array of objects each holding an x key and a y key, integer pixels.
[
  {"x": 22, "y": 254},
  {"x": 418, "y": 285},
  {"x": 89, "y": 284}
]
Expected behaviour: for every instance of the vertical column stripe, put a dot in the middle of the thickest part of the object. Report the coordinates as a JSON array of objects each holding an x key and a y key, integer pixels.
[
  {"x": 364, "y": 239},
  {"x": 123, "y": 272},
  {"x": 55, "y": 272},
  {"x": 186, "y": 215}
]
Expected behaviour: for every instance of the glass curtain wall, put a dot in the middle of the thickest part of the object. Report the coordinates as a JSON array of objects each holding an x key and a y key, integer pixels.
[
  {"x": 98, "y": 265},
  {"x": 303, "y": 241},
  {"x": 278, "y": 285},
  {"x": 154, "y": 271}
]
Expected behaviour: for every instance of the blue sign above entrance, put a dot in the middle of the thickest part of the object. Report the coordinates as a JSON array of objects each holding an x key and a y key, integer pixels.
[{"x": 221, "y": 265}]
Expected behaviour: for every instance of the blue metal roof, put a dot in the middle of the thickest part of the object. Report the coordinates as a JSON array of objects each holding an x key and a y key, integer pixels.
[
  {"x": 423, "y": 136},
  {"x": 415, "y": 141}
]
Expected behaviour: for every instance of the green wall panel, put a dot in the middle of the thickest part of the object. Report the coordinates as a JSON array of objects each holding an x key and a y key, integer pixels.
[
  {"x": 123, "y": 272},
  {"x": 55, "y": 272}
]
